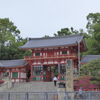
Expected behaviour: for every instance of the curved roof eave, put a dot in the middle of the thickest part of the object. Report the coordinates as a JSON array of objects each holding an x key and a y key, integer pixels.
[
  {"x": 52, "y": 42},
  {"x": 12, "y": 63},
  {"x": 48, "y": 46}
]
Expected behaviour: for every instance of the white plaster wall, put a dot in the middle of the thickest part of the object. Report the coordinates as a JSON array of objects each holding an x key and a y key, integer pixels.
[{"x": 22, "y": 75}]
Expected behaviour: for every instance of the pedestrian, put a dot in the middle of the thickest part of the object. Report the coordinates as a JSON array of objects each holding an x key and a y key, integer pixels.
[
  {"x": 80, "y": 92},
  {"x": 55, "y": 80}
]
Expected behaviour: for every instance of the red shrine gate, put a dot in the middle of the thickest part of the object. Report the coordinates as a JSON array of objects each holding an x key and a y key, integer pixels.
[
  {"x": 49, "y": 56},
  {"x": 44, "y": 68}
]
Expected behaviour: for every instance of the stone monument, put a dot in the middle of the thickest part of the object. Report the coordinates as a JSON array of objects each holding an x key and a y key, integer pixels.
[
  {"x": 66, "y": 92},
  {"x": 69, "y": 79}
]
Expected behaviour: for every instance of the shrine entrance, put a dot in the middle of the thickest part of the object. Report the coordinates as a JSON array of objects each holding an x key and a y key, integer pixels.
[{"x": 49, "y": 71}]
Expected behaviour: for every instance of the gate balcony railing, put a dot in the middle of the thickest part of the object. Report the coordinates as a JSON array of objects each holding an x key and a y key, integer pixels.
[{"x": 50, "y": 57}]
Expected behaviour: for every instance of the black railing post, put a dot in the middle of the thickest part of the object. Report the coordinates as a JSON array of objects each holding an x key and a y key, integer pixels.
[
  {"x": 27, "y": 96},
  {"x": 8, "y": 96},
  {"x": 46, "y": 95}
]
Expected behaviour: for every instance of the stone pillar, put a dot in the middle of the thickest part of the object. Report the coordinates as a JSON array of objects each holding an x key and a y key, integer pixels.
[
  {"x": 69, "y": 78},
  {"x": 67, "y": 92},
  {"x": 61, "y": 93}
]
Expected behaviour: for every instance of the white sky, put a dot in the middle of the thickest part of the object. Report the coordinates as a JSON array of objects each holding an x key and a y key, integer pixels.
[{"x": 36, "y": 18}]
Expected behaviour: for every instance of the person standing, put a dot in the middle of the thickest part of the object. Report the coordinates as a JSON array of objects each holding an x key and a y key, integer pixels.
[
  {"x": 55, "y": 80},
  {"x": 80, "y": 92}
]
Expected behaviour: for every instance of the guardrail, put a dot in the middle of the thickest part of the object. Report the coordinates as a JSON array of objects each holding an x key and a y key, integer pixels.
[{"x": 49, "y": 96}]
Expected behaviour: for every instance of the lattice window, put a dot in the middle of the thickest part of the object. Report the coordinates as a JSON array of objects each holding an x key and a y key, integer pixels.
[
  {"x": 64, "y": 52},
  {"x": 14, "y": 74},
  {"x": 37, "y": 70},
  {"x": 37, "y": 54}
]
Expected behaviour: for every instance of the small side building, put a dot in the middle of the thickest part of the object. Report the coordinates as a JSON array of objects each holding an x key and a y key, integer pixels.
[
  {"x": 89, "y": 58},
  {"x": 14, "y": 69}
]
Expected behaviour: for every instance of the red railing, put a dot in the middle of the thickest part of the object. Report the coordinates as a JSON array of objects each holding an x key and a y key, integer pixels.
[{"x": 50, "y": 57}]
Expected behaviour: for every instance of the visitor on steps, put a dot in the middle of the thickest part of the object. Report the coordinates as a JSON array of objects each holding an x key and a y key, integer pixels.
[
  {"x": 55, "y": 80},
  {"x": 80, "y": 92}
]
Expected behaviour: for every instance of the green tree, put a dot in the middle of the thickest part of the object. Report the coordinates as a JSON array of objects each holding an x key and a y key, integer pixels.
[
  {"x": 66, "y": 31},
  {"x": 10, "y": 40},
  {"x": 46, "y": 36},
  {"x": 93, "y": 28},
  {"x": 93, "y": 23},
  {"x": 92, "y": 69},
  {"x": 8, "y": 31}
]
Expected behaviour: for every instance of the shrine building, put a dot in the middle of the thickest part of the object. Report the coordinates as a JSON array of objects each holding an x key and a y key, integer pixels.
[
  {"x": 48, "y": 59},
  {"x": 14, "y": 69}
]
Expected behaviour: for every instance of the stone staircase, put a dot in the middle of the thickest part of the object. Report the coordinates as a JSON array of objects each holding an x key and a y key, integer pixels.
[
  {"x": 6, "y": 85},
  {"x": 32, "y": 87}
]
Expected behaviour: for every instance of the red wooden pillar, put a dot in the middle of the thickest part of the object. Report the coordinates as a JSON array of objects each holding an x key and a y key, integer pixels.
[
  {"x": 10, "y": 73},
  {"x": 31, "y": 72},
  {"x": 19, "y": 75},
  {"x": 58, "y": 70}
]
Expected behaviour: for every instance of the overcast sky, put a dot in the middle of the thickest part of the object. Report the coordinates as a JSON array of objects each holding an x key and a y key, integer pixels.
[{"x": 36, "y": 18}]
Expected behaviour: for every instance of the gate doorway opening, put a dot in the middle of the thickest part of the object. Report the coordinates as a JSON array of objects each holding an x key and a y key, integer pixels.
[{"x": 49, "y": 71}]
